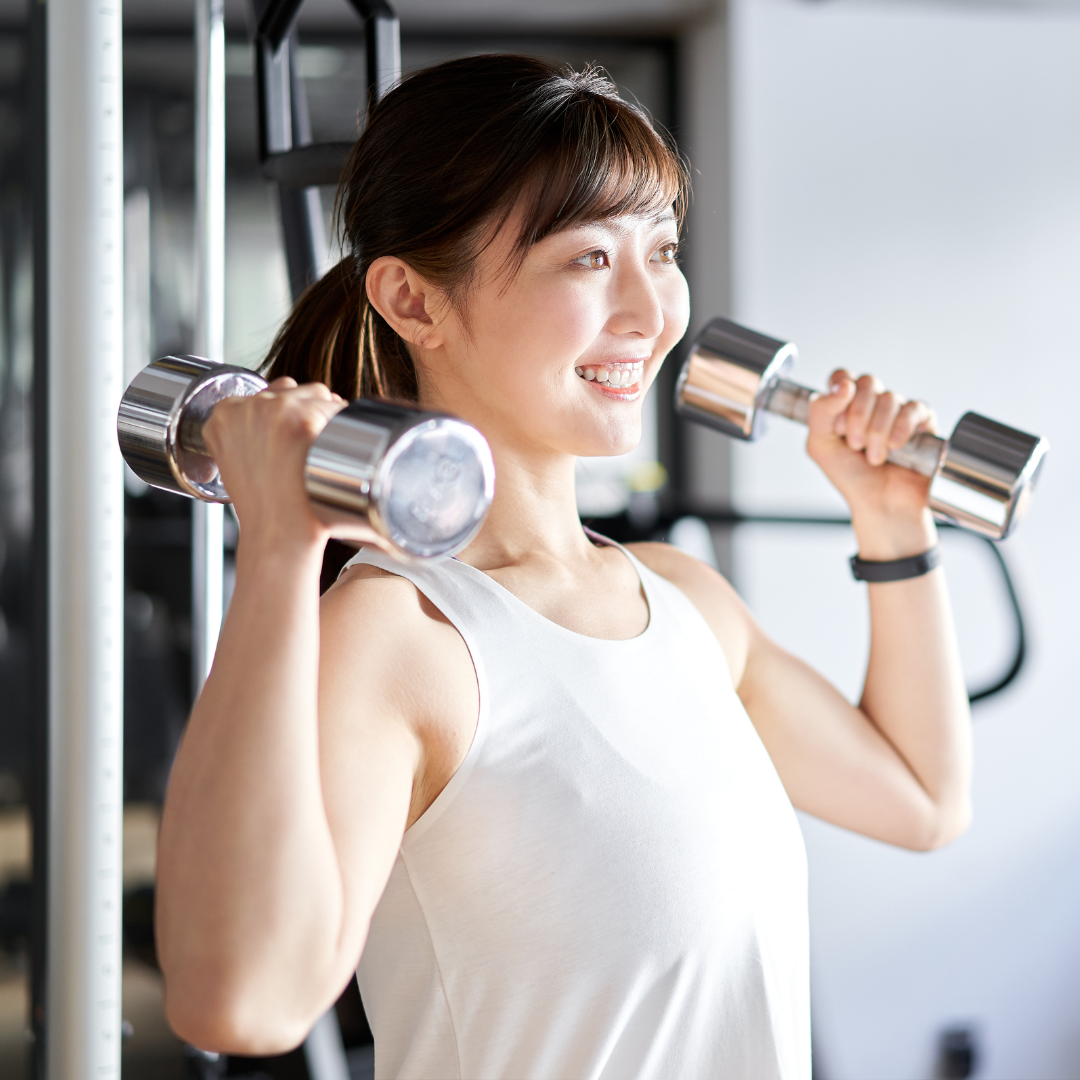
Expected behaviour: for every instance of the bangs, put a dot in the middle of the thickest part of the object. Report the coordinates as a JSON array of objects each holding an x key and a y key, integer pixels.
[
  {"x": 605, "y": 160},
  {"x": 597, "y": 156}
]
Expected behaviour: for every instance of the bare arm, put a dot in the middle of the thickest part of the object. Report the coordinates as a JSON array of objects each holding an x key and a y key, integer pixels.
[
  {"x": 264, "y": 898},
  {"x": 897, "y": 766}
]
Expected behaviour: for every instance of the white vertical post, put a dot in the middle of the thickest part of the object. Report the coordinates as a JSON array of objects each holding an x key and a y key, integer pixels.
[
  {"x": 207, "y": 518},
  {"x": 86, "y": 537}
]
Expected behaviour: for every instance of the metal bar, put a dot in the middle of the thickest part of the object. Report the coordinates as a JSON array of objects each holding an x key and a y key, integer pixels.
[
  {"x": 39, "y": 694},
  {"x": 383, "y": 39},
  {"x": 324, "y": 1050},
  {"x": 274, "y": 91},
  {"x": 86, "y": 537},
  {"x": 207, "y": 519},
  {"x": 277, "y": 19},
  {"x": 307, "y": 166}
]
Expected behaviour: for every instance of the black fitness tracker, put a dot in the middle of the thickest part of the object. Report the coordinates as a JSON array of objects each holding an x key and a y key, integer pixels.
[{"x": 896, "y": 569}]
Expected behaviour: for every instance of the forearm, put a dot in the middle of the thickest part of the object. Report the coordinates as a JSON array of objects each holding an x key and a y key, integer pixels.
[
  {"x": 250, "y": 893},
  {"x": 914, "y": 691}
]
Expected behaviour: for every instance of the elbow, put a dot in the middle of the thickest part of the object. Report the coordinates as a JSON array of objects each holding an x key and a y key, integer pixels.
[
  {"x": 230, "y": 1021},
  {"x": 943, "y": 826}
]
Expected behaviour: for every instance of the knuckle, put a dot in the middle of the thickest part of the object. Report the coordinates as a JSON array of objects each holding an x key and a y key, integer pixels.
[{"x": 309, "y": 423}]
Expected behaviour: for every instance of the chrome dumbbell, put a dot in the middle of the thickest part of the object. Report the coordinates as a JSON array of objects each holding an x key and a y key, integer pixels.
[
  {"x": 981, "y": 477},
  {"x": 422, "y": 480}
]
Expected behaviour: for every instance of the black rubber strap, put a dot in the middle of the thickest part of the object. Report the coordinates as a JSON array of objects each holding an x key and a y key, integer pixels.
[{"x": 896, "y": 569}]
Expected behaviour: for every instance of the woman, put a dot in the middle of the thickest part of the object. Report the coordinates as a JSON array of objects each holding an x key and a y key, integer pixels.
[{"x": 542, "y": 794}]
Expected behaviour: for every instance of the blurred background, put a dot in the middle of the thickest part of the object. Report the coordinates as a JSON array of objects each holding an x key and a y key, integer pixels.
[{"x": 892, "y": 184}]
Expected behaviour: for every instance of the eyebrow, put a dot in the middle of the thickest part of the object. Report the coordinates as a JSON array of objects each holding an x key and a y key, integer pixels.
[{"x": 660, "y": 217}]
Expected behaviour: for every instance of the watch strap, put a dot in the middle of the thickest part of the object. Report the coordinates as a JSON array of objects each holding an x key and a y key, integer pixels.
[{"x": 912, "y": 566}]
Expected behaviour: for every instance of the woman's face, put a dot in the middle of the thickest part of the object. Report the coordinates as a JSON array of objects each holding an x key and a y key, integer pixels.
[{"x": 557, "y": 358}]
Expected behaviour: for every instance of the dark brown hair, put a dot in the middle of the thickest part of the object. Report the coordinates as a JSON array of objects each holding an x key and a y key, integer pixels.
[{"x": 445, "y": 156}]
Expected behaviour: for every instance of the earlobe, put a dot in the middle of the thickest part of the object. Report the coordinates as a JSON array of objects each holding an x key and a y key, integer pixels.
[{"x": 403, "y": 298}]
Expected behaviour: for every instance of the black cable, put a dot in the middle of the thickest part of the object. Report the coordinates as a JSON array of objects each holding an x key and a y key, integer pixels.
[
  {"x": 731, "y": 518},
  {"x": 1020, "y": 650}
]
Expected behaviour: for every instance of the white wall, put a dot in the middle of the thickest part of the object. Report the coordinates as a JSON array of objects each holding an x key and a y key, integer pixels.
[{"x": 906, "y": 200}]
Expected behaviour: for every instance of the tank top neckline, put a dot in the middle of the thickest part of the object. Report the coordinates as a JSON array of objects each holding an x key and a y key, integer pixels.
[{"x": 502, "y": 590}]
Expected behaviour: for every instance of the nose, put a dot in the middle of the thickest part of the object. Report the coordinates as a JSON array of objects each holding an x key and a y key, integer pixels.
[{"x": 638, "y": 308}]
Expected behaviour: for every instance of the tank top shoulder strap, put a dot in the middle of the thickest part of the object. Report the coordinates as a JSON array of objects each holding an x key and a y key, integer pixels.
[
  {"x": 455, "y": 589},
  {"x": 671, "y": 611},
  {"x": 660, "y": 594}
]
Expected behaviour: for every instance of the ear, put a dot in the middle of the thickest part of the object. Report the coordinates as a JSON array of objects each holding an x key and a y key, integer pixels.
[{"x": 405, "y": 300}]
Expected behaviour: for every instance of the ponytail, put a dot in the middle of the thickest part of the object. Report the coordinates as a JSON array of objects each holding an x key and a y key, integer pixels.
[{"x": 334, "y": 336}]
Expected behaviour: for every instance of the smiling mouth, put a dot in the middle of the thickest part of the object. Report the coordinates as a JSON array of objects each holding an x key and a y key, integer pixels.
[{"x": 616, "y": 376}]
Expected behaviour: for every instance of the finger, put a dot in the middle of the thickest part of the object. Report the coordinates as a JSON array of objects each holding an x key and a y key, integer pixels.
[
  {"x": 911, "y": 418},
  {"x": 841, "y": 377},
  {"x": 826, "y": 408},
  {"x": 283, "y": 382},
  {"x": 861, "y": 409},
  {"x": 879, "y": 430},
  {"x": 329, "y": 407},
  {"x": 312, "y": 391},
  {"x": 316, "y": 390}
]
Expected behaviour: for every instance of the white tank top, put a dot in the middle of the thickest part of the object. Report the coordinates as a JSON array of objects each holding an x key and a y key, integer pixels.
[{"x": 613, "y": 884}]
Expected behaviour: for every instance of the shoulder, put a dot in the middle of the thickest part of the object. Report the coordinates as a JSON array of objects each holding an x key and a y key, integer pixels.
[
  {"x": 383, "y": 636},
  {"x": 710, "y": 593}
]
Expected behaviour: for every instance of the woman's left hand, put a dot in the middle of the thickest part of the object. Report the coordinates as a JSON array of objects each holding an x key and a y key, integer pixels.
[{"x": 852, "y": 429}]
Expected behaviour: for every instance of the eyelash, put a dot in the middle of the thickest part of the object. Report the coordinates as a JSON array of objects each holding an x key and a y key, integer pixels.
[{"x": 673, "y": 248}]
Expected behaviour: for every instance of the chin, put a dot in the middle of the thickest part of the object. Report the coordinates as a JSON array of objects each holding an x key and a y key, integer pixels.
[{"x": 607, "y": 446}]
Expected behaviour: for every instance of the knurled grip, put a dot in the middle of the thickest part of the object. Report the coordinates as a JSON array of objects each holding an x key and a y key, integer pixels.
[{"x": 921, "y": 453}]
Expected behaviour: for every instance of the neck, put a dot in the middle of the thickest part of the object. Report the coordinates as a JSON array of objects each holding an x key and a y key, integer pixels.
[{"x": 534, "y": 514}]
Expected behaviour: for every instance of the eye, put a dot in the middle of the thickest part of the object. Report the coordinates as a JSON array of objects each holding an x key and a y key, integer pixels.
[
  {"x": 667, "y": 253},
  {"x": 595, "y": 260}
]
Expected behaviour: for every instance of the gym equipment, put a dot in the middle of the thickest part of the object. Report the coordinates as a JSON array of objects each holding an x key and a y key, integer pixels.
[
  {"x": 982, "y": 476},
  {"x": 423, "y": 480}
]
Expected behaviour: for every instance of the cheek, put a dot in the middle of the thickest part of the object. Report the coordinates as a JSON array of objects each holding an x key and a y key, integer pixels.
[
  {"x": 675, "y": 301},
  {"x": 541, "y": 330}
]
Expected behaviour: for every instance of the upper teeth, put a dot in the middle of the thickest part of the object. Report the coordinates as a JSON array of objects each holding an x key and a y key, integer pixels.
[{"x": 614, "y": 376}]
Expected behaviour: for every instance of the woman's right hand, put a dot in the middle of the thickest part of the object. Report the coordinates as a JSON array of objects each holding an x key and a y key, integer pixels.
[{"x": 260, "y": 445}]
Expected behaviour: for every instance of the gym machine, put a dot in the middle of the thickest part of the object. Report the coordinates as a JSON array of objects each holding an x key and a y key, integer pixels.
[
  {"x": 286, "y": 150},
  {"x": 981, "y": 478}
]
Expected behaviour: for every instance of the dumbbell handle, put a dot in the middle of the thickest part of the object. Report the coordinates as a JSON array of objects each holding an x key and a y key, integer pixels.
[{"x": 922, "y": 453}]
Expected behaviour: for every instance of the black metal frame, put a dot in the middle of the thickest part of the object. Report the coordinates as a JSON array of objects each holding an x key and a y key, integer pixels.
[{"x": 286, "y": 150}]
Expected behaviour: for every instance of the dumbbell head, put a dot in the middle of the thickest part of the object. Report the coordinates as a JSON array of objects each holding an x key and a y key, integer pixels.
[
  {"x": 161, "y": 416},
  {"x": 423, "y": 480},
  {"x": 728, "y": 375},
  {"x": 986, "y": 476}
]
